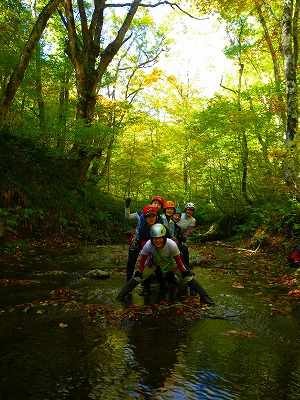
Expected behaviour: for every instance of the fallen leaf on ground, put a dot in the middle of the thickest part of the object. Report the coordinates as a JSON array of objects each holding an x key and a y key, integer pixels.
[{"x": 240, "y": 334}]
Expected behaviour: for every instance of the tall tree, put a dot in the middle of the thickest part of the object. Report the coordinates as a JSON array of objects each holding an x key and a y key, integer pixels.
[
  {"x": 290, "y": 48},
  {"x": 19, "y": 71},
  {"x": 90, "y": 61}
]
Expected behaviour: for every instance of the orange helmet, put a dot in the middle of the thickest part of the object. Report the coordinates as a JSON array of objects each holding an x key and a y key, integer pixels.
[
  {"x": 149, "y": 210},
  {"x": 169, "y": 204}
]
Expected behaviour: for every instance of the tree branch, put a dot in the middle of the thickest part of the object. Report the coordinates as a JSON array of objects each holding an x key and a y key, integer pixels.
[
  {"x": 224, "y": 87},
  {"x": 160, "y": 3}
]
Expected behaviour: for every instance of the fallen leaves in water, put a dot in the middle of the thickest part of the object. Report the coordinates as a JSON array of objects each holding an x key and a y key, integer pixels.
[
  {"x": 110, "y": 315},
  {"x": 243, "y": 334},
  {"x": 5, "y": 281},
  {"x": 191, "y": 309},
  {"x": 295, "y": 293}
]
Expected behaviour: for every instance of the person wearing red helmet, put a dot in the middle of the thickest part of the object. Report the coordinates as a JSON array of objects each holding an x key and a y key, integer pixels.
[
  {"x": 158, "y": 202},
  {"x": 134, "y": 243},
  {"x": 150, "y": 214}
]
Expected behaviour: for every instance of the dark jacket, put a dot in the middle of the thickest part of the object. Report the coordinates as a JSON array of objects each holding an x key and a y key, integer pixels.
[{"x": 144, "y": 232}]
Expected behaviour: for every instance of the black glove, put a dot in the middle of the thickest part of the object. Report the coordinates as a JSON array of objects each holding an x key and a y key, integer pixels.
[
  {"x": 183, "y": 240},
  {"x": 186, "y": 273},
  {"x": 127, "y": 202},
  {"x": 138, "y": 274}
]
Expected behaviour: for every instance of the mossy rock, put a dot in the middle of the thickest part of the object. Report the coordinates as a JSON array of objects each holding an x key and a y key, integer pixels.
[{"x": 97, "y": 274}]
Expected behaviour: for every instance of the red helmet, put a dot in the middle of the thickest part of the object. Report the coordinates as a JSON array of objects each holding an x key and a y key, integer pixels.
[
  {"x": 169, "y": 204},
  {"x": 149, "y": 210},
  {"x": 158, "y": 198}
]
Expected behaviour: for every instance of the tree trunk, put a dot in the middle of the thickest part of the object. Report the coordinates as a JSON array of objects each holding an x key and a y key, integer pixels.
[
  {"x": 275, "y": 62},
  {"x": 19, "y": 71},
  {"x": 244, "y": 144},
  {"x": 84, "y": 54},
  {"x": 39, "y": 87},
  {"x": 290, "y": 57},
  {"x": 63, "y": 108}
]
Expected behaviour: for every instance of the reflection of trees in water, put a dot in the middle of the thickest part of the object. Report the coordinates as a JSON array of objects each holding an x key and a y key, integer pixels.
[
  {"x": 155, "y": 345},
  {"x": 293, "y": 381}
]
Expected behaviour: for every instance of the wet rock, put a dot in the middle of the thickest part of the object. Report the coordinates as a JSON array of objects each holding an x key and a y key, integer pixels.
[
  {"x": 97, "y": 274},
  {"x": 203, "y": 262}
]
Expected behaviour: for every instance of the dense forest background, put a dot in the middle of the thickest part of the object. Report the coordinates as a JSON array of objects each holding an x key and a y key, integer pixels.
[{"x": 88, "y": 118}]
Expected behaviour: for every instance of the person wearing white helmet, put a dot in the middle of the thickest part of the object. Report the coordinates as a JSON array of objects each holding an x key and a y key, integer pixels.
[
  {"x": 163, "y": 253},
  {"x": 187, "y": 221},
  {"x": 186, "y": 224},
  {"x": 133, "y": 241},
  {"x": 151, "y": 217}
]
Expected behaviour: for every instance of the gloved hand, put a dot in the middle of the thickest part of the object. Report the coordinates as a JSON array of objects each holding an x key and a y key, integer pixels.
[
  {"x": 127, "y": 202},
  {"x": 183, "y": 239},
  {"x": 186, "y": 273},
  {"x": 138, "y": 274}
]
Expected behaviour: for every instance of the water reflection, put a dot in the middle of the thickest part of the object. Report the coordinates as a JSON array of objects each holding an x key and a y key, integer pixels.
[
  {"x": 165, "y": 355},
  {"x": 160, "y": 357},
  {"x": 155, "y": 346}
]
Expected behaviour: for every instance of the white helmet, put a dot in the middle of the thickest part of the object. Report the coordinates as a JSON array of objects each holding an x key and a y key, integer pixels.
[
  {"x": 190, "y": 206},
  {"x": 157, "y": 231}
]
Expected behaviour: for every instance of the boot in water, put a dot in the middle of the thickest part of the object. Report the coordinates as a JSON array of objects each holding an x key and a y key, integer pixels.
[
  {"x": 204, "y": 297},
  {"x": 207, "y": 300}
]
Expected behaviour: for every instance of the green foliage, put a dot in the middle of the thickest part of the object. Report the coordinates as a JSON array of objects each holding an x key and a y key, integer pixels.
[
  {"x": 21, "y": 218},
  {"x": 40, "y": 195},
  {"x": 263, "y": 221},
  {"x": 206, "y": 213}
]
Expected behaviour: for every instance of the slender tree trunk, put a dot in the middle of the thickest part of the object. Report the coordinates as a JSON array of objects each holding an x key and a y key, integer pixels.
[
  {"x": 39, "y": 87},
  {"x": 290, "y": 56},
  {"x": 19, "y": 71},
  {"x": 186, "y": 176},
  {"x": 244, "y": 144},
  {"x": 38, "y": 76},
  {"x": 275, "y": 61},
  {"x": 63, "y": 108}
]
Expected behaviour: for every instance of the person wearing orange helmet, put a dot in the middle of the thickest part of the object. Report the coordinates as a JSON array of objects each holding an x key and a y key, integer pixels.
[{"x": 167, "y": 217}]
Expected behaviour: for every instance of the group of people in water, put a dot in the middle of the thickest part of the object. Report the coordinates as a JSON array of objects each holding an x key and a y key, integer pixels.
[{"x": 159, "y": 239}]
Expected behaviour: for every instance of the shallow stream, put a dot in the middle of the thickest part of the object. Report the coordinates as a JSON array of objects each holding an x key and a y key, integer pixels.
[{"x": 239, "y": 350}]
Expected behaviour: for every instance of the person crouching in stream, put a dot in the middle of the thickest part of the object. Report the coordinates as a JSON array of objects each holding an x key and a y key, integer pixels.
[{"x": 161, "y": 252}]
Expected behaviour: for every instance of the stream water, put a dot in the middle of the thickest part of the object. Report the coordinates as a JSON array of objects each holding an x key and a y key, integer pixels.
[{"x": 241, "y": 352}]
